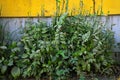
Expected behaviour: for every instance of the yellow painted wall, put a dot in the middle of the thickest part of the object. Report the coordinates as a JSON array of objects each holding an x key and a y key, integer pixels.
[{"x": 25, "y": 8}]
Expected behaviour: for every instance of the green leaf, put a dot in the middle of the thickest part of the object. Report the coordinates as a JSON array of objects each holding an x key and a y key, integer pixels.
[
  {"x": 0, "y": 61},
  {"x": 82, "y": 77},
  {"x": 10, "y": 63},
  {"x": 15, "y": 49},
  {"x": 60, "y": 72},
  {"x": 61, "y": 19},
  {"x": 84, "y": 66},
  {"x": 15, "y": 72},
  {"x": 3, "y": 47},
  {"x": 44, "y": 30},
  {"x": 78, "y": 53},
  {"x": 97, "y": 66},
  {"x": 88, "y": 67},
  {"x": 86, "y": 36},
  {"x": 3, "y": 69},
  {"x": 24, "y": 56},
  {"x": 62, "y": 53},
  {"x": 105, "y": 63}
]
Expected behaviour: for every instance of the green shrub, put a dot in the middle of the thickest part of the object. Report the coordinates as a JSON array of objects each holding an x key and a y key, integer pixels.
[
  {"x": 78, "y": 43},
  {"x": 9, "y": 55}
]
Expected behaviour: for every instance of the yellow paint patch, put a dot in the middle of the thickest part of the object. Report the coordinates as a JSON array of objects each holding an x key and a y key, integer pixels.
[{"x": 26, "y": 8}]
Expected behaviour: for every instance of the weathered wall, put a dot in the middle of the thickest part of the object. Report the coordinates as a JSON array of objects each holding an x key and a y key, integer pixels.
[
  {"x": 116, "y": 28},
  {"x": 14, "y": 25}
]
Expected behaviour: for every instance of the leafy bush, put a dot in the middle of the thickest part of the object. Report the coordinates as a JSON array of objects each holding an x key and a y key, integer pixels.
[
  {"x": 9, "y": 57},
  {"x": 78, "y": 43}
]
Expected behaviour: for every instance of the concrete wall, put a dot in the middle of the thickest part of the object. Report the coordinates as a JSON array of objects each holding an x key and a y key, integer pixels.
[
  {"x": 14, "y": 24},
  {"x": 116, "y": 28}
]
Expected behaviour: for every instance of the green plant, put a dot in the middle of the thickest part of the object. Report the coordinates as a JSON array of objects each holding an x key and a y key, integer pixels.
[
  {"x": 78, "y": 43},
  {"x": 9, "y": 60},
  {"x": 93, "y": 46},
  {"x": 36, "y": 46},
  {"x": 9, "y": 54}
]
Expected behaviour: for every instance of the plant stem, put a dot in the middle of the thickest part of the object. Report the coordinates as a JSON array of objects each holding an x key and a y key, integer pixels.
[{"x": 94, "y": 6}]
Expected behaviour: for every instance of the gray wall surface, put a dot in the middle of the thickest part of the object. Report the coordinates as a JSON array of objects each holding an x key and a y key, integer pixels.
[{"x": 116, "y": 29}]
